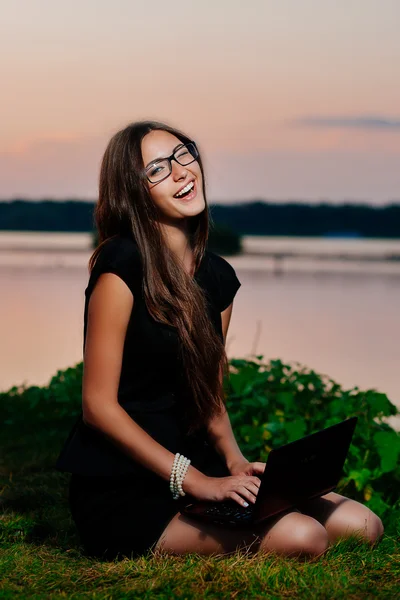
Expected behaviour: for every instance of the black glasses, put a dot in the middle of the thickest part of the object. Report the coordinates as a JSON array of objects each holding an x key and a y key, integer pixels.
[{"x": 162, "y": 167}]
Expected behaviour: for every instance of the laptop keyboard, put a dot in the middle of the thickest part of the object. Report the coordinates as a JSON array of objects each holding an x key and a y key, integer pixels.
[{"x": 230, "y": 510}]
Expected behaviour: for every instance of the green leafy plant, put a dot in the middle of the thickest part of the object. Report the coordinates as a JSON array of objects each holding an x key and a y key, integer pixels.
[
  {"x": 275, "y": 403},
  {"x": 269, "y": 404}
]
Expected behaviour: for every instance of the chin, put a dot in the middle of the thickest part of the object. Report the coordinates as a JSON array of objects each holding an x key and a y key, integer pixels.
[{"x": 194, "y": 209}]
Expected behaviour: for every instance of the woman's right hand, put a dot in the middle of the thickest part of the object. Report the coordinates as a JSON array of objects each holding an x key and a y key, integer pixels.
[{"x": 240, "y": 488}]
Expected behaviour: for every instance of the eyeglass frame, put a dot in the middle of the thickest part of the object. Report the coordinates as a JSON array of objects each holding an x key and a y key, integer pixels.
[{"x": 170, "y": 159}]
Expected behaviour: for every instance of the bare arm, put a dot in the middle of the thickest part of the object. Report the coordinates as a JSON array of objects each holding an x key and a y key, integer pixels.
[
  {"x": 219, "y": 428},
  {"x": 109, "y": 310}
]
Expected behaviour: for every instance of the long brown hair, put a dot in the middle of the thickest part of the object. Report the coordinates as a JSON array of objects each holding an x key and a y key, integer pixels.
[{"x": 125, "y": 208}]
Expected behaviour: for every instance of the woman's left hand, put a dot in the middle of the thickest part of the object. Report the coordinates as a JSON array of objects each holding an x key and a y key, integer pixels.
[{"x": 244, "y": 467}]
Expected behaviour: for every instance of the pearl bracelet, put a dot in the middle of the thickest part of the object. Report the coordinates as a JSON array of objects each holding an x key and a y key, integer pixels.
[
  {"x": 178, "y": 473},
  {"x": 173, "y": 478}
]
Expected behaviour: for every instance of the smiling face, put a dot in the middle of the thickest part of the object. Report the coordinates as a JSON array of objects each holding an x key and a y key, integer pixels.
[{"x": 160, "y": 144}]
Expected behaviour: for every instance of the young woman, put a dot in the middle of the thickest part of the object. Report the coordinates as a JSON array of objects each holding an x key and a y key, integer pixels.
[{"x": 157, "y": 312}]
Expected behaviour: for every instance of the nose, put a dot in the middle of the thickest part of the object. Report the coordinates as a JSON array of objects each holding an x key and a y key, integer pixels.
[{"x": 178, "y": 171}]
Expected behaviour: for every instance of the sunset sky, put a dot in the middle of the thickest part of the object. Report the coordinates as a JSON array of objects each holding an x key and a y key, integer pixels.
[{"x": 287, "y": 99}]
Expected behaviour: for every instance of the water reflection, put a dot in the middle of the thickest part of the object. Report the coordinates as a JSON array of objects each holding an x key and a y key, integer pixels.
[{"x": 344, "y": 324}]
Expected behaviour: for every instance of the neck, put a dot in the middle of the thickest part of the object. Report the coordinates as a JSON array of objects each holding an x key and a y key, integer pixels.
[{"x": 177, "y": 238}]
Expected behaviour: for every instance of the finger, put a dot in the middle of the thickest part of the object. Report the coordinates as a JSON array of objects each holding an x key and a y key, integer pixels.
[
  {"x": 234, "y": 496},
  {"x": 258, "y": 467},
  {"x": 253, "y": 488},
  {"x": 252, "y": 483},
  {"x": 247, "y": 494},
  {"x": 249, "y": 478},
  {"x": 255, "y": 480}
]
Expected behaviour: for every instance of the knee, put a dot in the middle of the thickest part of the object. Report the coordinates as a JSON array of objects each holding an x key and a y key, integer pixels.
[
  {"x": 372, "y": 527},
  {"x": 310, "y": 539},
  {"x": 379, "y": 529},
  {"x": 365, "y": 525},
  {"x": 296, "y": 535}
]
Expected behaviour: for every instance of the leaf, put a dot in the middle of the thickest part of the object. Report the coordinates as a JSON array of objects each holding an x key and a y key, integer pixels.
[
  {"x": 287, "y": 399},
  {"x": 379, "y": 404},
  {"x": 368, "y": 492},
  {"x": 354, "y": 452},
  {"x": 337, "y": 407},
  {"x": 250, "y": 403},
  {"x": 295, "y": 429},
  {"x": 388, "y": 446},
  {"x": 274, "y": 427},
  {"x": 360, "y": 478},
  {"x": 266, "y": 434},
  {"x": 248, "y": 388},
  {"x": 377, "y": 504}
]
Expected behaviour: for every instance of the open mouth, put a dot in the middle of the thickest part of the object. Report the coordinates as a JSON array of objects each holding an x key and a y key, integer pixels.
[{"x": 187, "y": 191}]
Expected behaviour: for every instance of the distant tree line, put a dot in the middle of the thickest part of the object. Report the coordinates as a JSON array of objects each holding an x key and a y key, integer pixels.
[
  {"x": 255, "y": 218},
  {"x": 346, "y": 220}
]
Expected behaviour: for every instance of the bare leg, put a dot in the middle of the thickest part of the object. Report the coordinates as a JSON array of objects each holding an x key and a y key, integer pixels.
[
  {"x": 292, "y": 534},
  {"x": 343, "y": 517},
  {"x": 183, "y": 535}
]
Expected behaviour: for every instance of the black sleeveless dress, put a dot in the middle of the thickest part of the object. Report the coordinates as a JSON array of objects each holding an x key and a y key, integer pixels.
[{"x": 120, "y": 507}]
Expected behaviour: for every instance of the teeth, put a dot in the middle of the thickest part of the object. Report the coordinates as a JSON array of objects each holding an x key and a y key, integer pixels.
[{"x": 185, "y": 189}]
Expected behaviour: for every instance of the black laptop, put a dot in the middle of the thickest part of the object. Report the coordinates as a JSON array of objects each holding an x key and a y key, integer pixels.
[{"x": 294, "y": 473}]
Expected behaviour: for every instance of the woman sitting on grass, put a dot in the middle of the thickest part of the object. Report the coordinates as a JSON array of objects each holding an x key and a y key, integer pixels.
[{"x": 157, "y": 311}]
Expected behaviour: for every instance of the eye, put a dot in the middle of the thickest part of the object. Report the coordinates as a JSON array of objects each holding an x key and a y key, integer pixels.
[{"x": 156, "y": 170}]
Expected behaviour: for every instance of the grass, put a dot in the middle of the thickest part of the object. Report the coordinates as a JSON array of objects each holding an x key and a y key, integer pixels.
[{"x": 40, "y": 554}]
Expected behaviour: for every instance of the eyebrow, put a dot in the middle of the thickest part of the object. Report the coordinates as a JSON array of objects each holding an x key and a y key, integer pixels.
[{"x": 162, "y": 157}]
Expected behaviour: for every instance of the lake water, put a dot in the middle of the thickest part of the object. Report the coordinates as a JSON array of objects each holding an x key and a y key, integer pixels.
[{"x": 337, "y": 317}]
